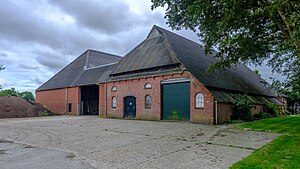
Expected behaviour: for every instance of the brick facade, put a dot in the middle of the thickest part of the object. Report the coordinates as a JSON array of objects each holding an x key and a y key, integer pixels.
[
  {"x": 135, "y": 87},
  {"x": 73, "y": 98},
  {"x": 56, "y": 100}
]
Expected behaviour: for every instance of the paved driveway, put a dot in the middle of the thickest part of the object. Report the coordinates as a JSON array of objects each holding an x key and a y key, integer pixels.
[{"x": 93, "y": 142}]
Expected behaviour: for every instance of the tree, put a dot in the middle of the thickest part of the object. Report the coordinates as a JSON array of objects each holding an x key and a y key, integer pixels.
[
  {"x": 12, "y": 92},
  {"x": 242, "y": 31},
  {"x": 27, "y": 96},
  {"x": 9, "y": 92},
  {"x": 1, "y": 68}
]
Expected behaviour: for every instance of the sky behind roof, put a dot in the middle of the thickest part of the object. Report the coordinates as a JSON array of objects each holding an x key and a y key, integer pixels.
[{"x": 39, "y": 37}]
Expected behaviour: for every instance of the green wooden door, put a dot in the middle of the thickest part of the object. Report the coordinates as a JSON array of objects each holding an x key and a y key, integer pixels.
[
  {"x": 176, "y": 101},
  {"x": 130, "y": 107}
]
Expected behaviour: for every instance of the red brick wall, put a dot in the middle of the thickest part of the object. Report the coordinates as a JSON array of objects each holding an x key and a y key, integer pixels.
[
  {"x": 257, "y": 108},
  {"x": 201, "y": 115},
  {"x": 54, "y": 100},
  {"x": 135, "y": 87},
  {"x": 102, "y": 100},
  {"x": 73, "y": 97}
]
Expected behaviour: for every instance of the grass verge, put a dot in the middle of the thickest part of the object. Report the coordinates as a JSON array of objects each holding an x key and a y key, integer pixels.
[{"x": 283, "y": 152}]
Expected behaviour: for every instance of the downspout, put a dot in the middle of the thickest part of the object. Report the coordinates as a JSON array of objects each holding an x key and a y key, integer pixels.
[{"x": 216, "y": 112}]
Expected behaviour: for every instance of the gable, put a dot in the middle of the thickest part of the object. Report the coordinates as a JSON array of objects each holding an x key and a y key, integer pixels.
[{"x": 151, "y": 53}]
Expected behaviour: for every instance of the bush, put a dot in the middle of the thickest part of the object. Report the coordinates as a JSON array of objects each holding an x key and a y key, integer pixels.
[
  {"x": 273, "y": 109},
  {"x": 45, "y": 113},
  {"x": 242, "y": 109},
  {"x": 263, "y": 115},
  {"x": 236, "y": 121},
  {"x": 287, "y": 113}
]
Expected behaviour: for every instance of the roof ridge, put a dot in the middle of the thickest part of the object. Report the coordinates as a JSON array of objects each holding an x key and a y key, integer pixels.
[
  {"x": 165, "y": 30},
  {"x": 169, "y": 47},
  {"x": 108, "y": 64},
  {"x": 93, "y": 50},
  {"x": 86, "y": 60}
]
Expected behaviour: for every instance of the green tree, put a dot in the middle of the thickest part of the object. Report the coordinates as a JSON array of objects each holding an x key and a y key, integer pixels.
[
  {"x": 12, "y": 92},
  {"x": 247, "y": 31},
  {"x": 27, "y": 96},
  {"x": 9, "y": 92}
]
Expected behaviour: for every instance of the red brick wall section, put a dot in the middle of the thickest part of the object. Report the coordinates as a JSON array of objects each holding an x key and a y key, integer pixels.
[
  {"x": 135, "y": 87},
  {"x": 54, "y": 100},
  {"x": 102, "y": 100},
  {"x": 201, "y": 115},
  {"x": 73, "y": 98},
  {"x": 257, "y": 108}
]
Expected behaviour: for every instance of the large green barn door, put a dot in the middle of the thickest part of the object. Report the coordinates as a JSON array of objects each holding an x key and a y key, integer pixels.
[{"x": 176, "y": 101}]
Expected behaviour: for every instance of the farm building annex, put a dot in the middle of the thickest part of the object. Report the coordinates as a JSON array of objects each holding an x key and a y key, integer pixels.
[{"x": 162, "y": 78}]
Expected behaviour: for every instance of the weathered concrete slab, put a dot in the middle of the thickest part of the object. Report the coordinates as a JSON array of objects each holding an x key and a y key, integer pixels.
[{"x": 112, "y": 143}]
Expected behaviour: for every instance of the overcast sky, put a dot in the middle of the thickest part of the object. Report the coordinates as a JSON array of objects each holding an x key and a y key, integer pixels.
[{"x": 40, "y": 37}]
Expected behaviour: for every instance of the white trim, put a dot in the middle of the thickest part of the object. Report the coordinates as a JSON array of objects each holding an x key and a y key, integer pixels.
[
  {"x": 101, "y": 66},
  {"x": 175, "y": 80}
]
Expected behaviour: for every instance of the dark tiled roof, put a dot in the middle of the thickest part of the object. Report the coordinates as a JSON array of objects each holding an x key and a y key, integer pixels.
[
  {"x": 230, "y": 97},
  {"x": 151, "y": 53},
  {"x": 94, "y": 75},
  {"x": 75, "y": 73},
  {"x": 238, "y": 78},
  {"x": 163, "y": 48}
]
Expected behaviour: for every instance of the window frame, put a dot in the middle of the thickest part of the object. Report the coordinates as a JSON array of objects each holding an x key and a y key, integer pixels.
[
  {"x": 114, "y": 102},
  {"x": 148, "y": 101},
  {"x": 199, "y": 100},
  {"x": 149, "y": 87},
  {"x": 69, "y": 107},
  {"x": 114, "y": 89}
]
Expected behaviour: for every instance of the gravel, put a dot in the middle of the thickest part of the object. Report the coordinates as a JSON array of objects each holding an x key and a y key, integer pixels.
[{"x": 93, "y": 142}]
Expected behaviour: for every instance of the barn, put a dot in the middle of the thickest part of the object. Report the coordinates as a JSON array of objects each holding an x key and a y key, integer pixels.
[{"x": 162, "y": 78}]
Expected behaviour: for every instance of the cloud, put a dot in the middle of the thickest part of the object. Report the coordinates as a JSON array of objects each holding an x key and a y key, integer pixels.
[
  {"x": 30, "y": 67},
  {"x": 109, "y": 17},
  {"x": 39, "y": 37}
]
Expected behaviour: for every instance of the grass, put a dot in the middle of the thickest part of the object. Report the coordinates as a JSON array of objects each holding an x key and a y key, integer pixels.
[{"x": 283, "y": 152}]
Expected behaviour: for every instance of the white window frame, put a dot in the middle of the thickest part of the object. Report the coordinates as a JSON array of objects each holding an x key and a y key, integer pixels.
[
  {"x": 114, "y": 89},
  {"x": 148, "y": 101},
  {"x": 148, "y": 86},
  {"x": 199, "y": 100},
  {"x": 114, "y": 102}
]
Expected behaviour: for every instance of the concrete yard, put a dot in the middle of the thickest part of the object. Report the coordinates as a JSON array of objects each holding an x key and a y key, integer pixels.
[{"x": 93, "y": 142}]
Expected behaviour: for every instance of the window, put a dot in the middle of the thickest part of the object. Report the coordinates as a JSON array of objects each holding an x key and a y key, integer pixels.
[
  {"x": 114, "y": 102},
  {"x": 199, "y": 100},
  {"x": 148, "y": 101},
  {"x": 114, "y": 89},
  {"x": 69, "y": 107},
  {"x": 148, "y": 86}
]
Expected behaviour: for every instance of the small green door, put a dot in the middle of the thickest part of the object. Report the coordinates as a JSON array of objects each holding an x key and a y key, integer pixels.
[{"x": 176, "y": 101}]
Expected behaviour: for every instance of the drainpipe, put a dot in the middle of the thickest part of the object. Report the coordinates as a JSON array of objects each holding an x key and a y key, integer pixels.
[{"x": 216, "y": 112}]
